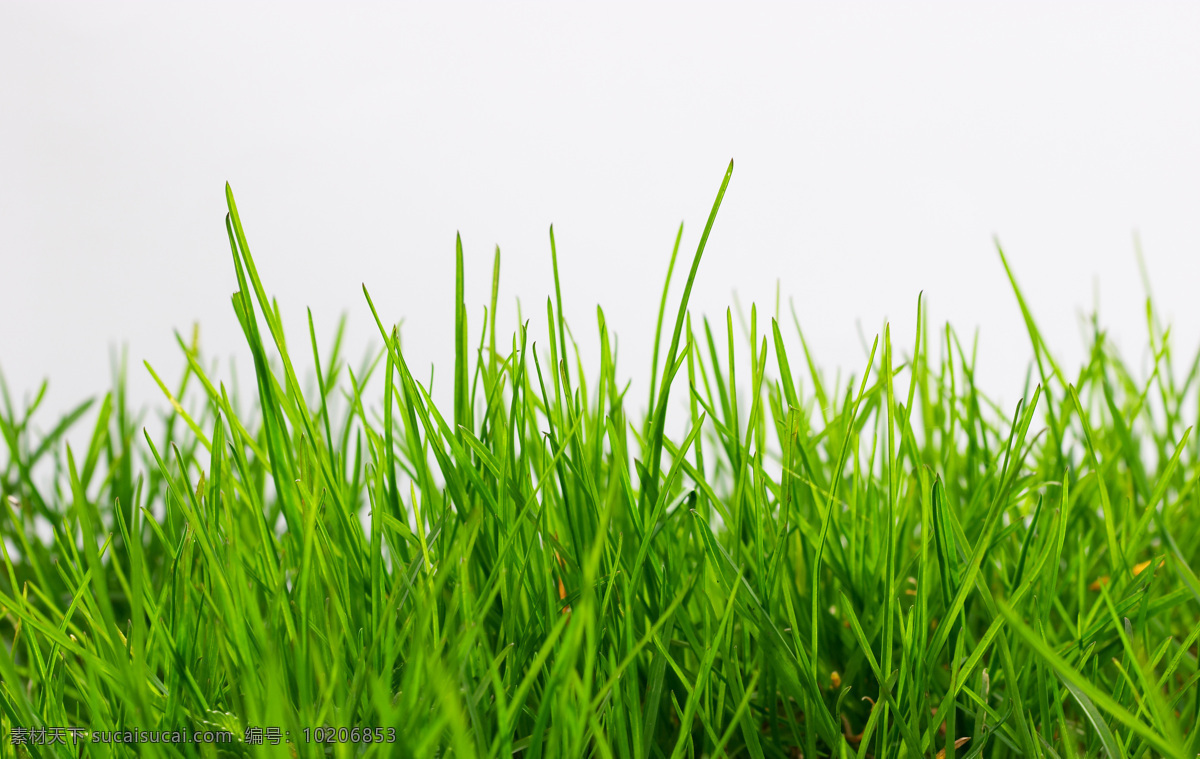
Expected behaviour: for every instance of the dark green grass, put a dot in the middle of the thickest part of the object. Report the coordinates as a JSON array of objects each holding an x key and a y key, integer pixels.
[{"x": 871, "y": 567}]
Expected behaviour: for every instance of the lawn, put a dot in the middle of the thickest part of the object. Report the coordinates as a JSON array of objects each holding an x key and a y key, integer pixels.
[{"x": 764, "y": 564}]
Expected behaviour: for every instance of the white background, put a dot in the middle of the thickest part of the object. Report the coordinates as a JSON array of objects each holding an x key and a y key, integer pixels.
[{"x": 878, "y": 150}]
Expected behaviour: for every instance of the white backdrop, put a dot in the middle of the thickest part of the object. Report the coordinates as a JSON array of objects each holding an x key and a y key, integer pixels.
[{"x": 878, "y": 150}]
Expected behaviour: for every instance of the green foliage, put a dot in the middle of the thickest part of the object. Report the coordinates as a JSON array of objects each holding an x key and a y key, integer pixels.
[{"x": 874, "y": 567}]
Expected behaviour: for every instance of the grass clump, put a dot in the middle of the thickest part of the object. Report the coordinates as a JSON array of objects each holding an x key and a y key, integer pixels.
[{"x": 890, "y": 566}]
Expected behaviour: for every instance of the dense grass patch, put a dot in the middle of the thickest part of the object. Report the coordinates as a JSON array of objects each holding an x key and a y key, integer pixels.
[{"x": 886, "y": 566}]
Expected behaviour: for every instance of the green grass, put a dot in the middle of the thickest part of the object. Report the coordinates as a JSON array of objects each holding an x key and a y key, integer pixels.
[{"x": 870, "y": 567}]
